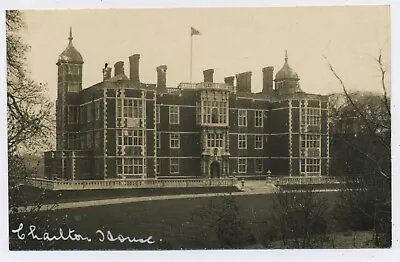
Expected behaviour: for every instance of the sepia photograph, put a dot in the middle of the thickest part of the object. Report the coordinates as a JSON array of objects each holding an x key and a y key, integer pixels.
[{"x": 199, "y": 128}]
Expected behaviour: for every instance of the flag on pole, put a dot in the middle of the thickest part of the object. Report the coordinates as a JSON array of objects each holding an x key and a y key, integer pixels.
[{"x": 194, "y": 31}]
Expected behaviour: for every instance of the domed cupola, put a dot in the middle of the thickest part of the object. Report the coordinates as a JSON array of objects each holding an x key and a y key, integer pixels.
[
  {"x": 286, "y": 72},
  {"x": 70, "y": 54},
  {"x": 286, "y": 80}
]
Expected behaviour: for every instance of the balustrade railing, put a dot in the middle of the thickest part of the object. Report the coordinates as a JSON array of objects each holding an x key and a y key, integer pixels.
[
  {"x": 127, "y": 183},
  {"x": 305, "y": 180},
  {"x": 202, "y": 85}
]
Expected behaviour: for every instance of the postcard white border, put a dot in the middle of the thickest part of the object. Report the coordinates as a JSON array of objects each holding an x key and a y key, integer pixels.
[{"x": 259, "y": 255}]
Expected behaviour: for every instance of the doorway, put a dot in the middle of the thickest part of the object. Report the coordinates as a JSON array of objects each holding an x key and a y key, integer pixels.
[{"x": 214, "y": 170}]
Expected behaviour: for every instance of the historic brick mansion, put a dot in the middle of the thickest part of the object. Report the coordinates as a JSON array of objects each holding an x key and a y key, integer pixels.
[{"x": 123, "y": 128}]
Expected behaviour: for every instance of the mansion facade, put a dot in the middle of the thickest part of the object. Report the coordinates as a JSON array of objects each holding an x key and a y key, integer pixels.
[{"x": 123, "y": 128}]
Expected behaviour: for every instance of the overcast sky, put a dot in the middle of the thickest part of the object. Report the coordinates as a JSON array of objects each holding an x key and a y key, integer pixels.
[{"x": 232, "y": 41}]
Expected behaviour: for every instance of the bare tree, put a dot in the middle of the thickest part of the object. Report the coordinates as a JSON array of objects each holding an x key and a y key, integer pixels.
[
  {"x": 223, "y": 218},
  {"x": 30, "y": 119},
  {"x": 30, "y": 127},
  {"x": 369, "y": 119},
  {"x": 301, "y": 218}
]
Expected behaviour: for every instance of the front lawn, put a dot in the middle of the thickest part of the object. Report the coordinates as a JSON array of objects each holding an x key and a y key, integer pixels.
[{"x": 169, "y": 222}]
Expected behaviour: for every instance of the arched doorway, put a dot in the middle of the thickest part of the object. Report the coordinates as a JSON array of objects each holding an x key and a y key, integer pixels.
[{"x": 214, "y": 170}]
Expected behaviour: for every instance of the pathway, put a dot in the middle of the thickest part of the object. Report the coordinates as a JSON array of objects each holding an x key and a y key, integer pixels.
[{"x": 249, "y": 188}]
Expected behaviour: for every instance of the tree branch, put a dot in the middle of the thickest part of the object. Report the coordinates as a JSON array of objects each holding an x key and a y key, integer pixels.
[{"x": 363, "y": 117}]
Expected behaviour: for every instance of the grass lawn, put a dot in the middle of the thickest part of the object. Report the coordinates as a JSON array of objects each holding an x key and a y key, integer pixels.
[
  {"x": 357, "y": 239},
  {"x": 169, "y": 222}
]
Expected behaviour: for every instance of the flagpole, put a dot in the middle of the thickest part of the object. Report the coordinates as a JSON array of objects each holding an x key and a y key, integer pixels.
[{"x": 191, "y": 56}]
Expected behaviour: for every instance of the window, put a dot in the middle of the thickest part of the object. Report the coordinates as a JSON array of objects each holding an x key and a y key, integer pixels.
[
  {"x": 128, "y": 108},
  {"x": 138, "y": 166},
  {"x": 214, "y": 112},
  {"x": 97, "y": 139},
  {"x": 130, "y": 137},
  {"x": 215, "y": 140},
  {"x": 132, "y": 108},
  {"x": 89, "y": 112},
  {"x": 242, "y": 117},
  {"x": 242, "y": 141},
  {"x": 89, "y": 140},
  {"x": 73, "y": 87},
  {"x": 223, "y": 112},
  {"x": 258, "y": 118},
  {"x": 174, "y": 140},
  {"x": 198, "y": 113},
  {"x": 313, "y": 165},
  {"x": 174, "y": 166},
  {"x": 130, "y": 166},
  {"x": 73, "y": 141},
  {"x": 174, "y": 115},
  {"x": 242, "y": 165},
  {"x": 82, "y": 114},
  {"x": 73, "y": 114},
  {"x": 120, "y": 140},
  {"x": 73, "y": 69},
  {"x": 97, "y": 110},
  {"x": 137, "y": 137},
  {"x": 119, "y": 166},
  {"x": 158, "y": 140},
  {"x": 214, "y": 116},
  {"x": 311, "y": 116},
  {"x": 259, "y": 166},
  {"x": 258, "y": 141},
  {"x": 310, "y": 141},
  {"x": 310, "y": 166},
  {"x": 119, "y": 107},
  {"x": 157, "y": 114}
]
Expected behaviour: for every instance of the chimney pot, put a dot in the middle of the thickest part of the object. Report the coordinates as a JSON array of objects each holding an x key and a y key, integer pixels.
[
  {"x": 229, "y": 80},
  {"x": 162, "y": 76},
  {"x": 119, "y": 68},
  {"x": 208, "y": 75},
  {"x": 244, "y": 82},
  {"x": 134, "y": 69},
  {"x": 268, "y": 79},
  {"x": 106, "y": 73}
]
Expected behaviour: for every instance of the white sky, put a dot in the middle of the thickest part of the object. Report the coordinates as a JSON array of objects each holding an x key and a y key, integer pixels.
[{"x": 232, "y": 41}]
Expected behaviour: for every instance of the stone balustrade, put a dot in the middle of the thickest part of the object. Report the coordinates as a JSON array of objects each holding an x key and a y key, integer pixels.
[
  {"x": 187, "y": 85},
  {"x": 317, "y": 180},
  {"x": 128, "y": 183},
  {"x": 203, "y": 85}
]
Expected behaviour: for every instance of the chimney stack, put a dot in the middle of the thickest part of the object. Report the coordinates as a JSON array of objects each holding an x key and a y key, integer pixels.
[
  {"x": 106, "y": 72},
  {"x": 208, "y": 75},
  {"x": 229, "y": 80},
  {"x": 119, "y": 68},
  {"x": 268, "y": 79},
  {"x": 162, "y": 76},
  {"x": 134, "y": 69},
  {"x": 244, "y": 82}
]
